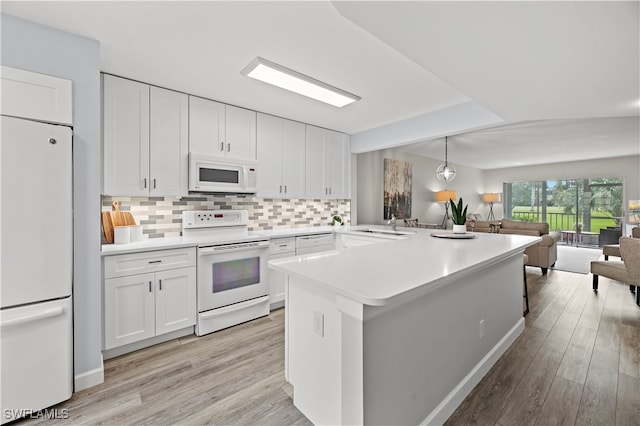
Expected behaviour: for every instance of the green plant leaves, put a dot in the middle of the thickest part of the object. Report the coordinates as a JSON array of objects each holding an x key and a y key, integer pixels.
[{"x": 458, "y": 214}]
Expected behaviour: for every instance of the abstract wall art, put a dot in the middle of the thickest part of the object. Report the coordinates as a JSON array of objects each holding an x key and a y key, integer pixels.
[{"x": 397, "y": 189}]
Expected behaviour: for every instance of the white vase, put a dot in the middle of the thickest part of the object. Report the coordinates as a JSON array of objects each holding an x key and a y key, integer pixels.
[{"x": 459, "y": 229}]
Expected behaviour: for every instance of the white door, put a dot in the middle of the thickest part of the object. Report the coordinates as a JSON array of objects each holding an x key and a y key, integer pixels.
[
  {"x": 175, "y": 299},
  {"x": 129, "y": 309},
  {"x": 206, "y": 127},
  {"x": 314, "y": 154},
  {"x": 169, "y": 143},
  {"x": 227, "y": 277},
  {"x": 240, "y": 133},
  {"x": 335, "y": 155},
  {"x": 270, "y": 156},
  {"x": 293, "y": 159},
  {"x": 36, "y": 357},
  {"x": 37, "y": 216},
  {"x": 125, "y": 136}
]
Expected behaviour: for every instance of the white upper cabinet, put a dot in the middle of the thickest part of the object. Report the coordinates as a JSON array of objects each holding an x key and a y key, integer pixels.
[
  {"x": 220, "y": 130},
  {"x": 337, "y": 164},
  {"x": 206, "y": 127},
  {"x": 281, "y": 156},
  {"x": 125, "y": 136},
  {"x": 36, "y": 96},
  {"x": 327, "y": 164},
  {"x": 169, "y": 147},
  {"x": 240, "y": 130},
  {"x": 315, "y": 187},
  {"x": 145, "y": 139}
]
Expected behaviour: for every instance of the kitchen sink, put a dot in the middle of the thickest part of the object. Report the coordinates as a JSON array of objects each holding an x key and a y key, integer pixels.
[{"x": 384, "y": 231}]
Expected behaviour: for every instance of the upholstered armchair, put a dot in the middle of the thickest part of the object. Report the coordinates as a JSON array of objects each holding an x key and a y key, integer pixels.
[
  {"x": 614, "y": 249},
  {"x": 626, "y": 271}
]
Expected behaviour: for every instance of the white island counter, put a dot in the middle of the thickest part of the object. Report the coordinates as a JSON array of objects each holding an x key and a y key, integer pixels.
[{"x": 399, "y": 332}]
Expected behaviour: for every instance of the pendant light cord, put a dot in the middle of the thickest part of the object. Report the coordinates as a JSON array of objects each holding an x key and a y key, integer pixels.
[{"x": 446, "y": 152}]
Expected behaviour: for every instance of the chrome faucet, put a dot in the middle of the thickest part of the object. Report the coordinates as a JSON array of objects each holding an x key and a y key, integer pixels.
[{"x": 392, "y": 222}]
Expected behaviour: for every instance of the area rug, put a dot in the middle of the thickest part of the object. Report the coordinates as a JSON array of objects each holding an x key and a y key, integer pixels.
[{"x": 576, "y": 259}]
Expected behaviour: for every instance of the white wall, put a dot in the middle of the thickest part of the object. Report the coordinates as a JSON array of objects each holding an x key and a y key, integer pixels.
[
  {"x": 368, "y": 203},
  {"x": 470, "y": 183},
  {"x": 33, "y": 47},
  {"x": 626, "y": 167}
]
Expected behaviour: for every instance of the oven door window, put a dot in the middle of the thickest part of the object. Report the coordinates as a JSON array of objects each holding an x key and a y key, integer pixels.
[
  {"x": 235, "y": 274},
  {"x": 219, "y": 175}
]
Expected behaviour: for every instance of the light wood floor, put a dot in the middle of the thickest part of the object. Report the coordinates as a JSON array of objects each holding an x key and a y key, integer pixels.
[{"x": 577, "y": 362}]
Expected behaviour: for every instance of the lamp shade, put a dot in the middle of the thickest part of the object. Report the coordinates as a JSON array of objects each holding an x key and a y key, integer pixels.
[
  {"x": 492, "y": 197},
  {"x": 444, "y": 196}
]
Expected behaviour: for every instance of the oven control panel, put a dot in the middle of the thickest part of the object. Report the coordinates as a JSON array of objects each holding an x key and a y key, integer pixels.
[{"x": 214, "y": 218}]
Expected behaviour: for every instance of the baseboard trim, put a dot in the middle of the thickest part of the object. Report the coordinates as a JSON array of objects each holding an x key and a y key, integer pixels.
[
  {"x": 89, "y": 378},
  {"x": 449, "y": 404},
  {"x": 131, "y": 347}
]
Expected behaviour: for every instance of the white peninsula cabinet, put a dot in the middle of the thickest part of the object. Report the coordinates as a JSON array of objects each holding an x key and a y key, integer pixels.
[
  {"x": 327, "y": 163},
  {"x": 281, "y": 156},
  {"x": 145, "y": 139},
  {"x": 148, "y": 294},
  {"x": 220, "y": 130}
]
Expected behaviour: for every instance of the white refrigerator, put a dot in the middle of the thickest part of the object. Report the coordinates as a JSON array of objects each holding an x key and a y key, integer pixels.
[{"x": 36, "y": 251}]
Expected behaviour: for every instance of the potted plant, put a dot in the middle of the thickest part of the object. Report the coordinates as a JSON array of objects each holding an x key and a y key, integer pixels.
[
  {"x": 458, "y": 216},
  {"x": 336, "y": 219}
]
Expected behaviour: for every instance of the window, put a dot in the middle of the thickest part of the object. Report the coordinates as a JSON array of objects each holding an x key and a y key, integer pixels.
[{"x": 582, "y": 206}]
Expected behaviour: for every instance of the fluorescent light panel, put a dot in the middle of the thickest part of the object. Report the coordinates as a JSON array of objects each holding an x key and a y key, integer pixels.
[{"x": 285, "y": 78}]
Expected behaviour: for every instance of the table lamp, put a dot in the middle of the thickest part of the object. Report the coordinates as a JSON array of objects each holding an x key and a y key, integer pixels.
[
  {"x": 491, "y": 197},
  {"x": 444, "y": 197}
]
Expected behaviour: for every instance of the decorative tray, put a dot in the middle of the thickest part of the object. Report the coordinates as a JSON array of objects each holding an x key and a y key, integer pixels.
[{"x": 451, "y": 235}]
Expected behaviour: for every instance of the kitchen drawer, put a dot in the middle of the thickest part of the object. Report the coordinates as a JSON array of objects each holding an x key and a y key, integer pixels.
[
  {"x": 149, "y": 261},
  {"x": 282, "y": 245},
  {"x": 308, "y": 241}
]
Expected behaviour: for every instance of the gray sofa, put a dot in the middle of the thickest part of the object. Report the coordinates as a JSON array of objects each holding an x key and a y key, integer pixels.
[{"x": 543, "y": 255}]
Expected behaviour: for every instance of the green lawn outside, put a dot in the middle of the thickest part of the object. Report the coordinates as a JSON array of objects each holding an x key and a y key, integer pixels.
[{"x": 558, "y": 220}]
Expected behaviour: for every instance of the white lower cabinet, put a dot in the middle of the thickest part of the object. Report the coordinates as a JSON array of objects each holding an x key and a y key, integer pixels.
[
  {"x": 145, "y": 305},
  {"x": 279, "y": 248}
]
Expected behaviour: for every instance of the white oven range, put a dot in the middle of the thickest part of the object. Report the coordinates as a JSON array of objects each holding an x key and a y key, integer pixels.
[{"x": 232, "y": 266}]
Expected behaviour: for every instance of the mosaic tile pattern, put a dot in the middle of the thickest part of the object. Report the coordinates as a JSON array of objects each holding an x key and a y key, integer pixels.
[{"x": 162, "y": 216}]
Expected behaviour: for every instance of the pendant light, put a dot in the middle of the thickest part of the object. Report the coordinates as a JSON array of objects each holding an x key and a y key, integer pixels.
[{"x": 446, "y": 172}]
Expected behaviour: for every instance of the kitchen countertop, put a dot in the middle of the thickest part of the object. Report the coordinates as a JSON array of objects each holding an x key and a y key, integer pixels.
[
  {"x": 181, "y": 242},
  {"x": 381, "y": 274}
]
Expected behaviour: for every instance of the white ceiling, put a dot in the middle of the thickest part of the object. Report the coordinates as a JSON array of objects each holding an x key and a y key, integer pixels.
[{"x": 518, "y": 61}]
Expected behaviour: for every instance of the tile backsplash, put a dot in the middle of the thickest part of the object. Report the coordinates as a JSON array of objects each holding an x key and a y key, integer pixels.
[{"x": 162, "y": 216}]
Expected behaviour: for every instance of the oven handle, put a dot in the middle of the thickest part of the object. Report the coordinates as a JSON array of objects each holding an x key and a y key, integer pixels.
[
  {"x": 231, "y": 248},
  {"x": 234, "y": 307}
]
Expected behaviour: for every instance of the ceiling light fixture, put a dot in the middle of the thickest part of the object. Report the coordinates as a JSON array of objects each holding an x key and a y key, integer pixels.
[
  {"x": 285, "y": 78},
  {"x": 446, "y": 172}
]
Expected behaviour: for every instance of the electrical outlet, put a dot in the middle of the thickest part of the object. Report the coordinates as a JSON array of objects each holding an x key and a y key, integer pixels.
[
  {"x": 318, "y": 323},
  {"x": 481, "y": 328}
]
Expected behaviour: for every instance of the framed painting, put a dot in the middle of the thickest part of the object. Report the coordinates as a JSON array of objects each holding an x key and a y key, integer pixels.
[{"x": 397, "y": 189}]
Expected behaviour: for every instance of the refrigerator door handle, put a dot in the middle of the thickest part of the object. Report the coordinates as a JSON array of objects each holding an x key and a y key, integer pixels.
[{"x": 32, "y": 318}]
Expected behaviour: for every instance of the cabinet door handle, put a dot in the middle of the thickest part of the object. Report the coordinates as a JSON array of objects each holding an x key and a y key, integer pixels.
[
  {"x": 154, "y": 183},
  {"x": 281, "y": 189},
  {"x": 160, "y": 284},
  {"x": 329, "y": 190},
  {"x": 228, "y": 147},
  {"x": 221, "y": 146},
  {"x": 155, "y": 261},
  {"x": 285, "y": 189},
  {"x": 150, "y": 287},
  {"x": 144, "y": 183}
]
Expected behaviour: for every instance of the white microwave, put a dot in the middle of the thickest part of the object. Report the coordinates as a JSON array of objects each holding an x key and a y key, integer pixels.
[{"x": 209, "y": 174}]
